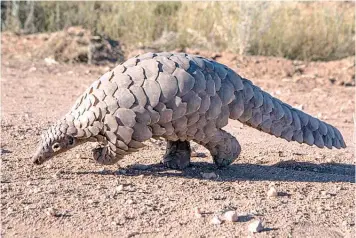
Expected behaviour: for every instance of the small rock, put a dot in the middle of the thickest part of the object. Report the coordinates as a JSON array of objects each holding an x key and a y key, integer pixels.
[
  {"x": 211, "y": 175},
  {"x": 50, "y": 61},
  {"x": 51, "y": 212},
  {"x": 299, "y": 107},
  {"x": 332, "y": 80},
  {"x": 255, "y": 226},
  {"x": 197, "y": 212},
  {"x": 230, "y": 216},
  {"x": 272, "y": 192},
  {"x": 103, "y": 171},
  {"x": 216, "y": 221},
  {"x": 78, "y": 156},
  {"x": 130, "y": 202},
  {"x": 105, "y": 197},
  {"x": 119, "y": 188},
  {"x": 330, "y": 161}
]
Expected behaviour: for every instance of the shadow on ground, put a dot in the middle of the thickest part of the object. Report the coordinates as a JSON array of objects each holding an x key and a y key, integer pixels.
[{"x": 290, "y": 171}]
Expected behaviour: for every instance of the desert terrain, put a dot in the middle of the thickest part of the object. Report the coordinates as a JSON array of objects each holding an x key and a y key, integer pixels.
[{"x": 72, "y": 196}]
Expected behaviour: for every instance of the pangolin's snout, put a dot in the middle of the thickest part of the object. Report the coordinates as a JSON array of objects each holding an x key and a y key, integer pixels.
[
  {"x": 37, "y": 160},
  {"x": 37, "y": 157}
]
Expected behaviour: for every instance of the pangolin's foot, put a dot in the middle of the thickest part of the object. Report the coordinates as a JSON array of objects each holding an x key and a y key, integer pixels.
[
  {"x": 104, "y": 155},
  {"x": 177, "y": 154},
  {"x": 224, "y": 148}
]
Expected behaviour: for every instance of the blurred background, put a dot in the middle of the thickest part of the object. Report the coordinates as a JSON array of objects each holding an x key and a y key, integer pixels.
[{"x": 294, "y": 30}]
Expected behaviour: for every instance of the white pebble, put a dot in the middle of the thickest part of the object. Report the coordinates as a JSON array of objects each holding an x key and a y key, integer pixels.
[
  {"x": 299, "y": 107},
  {"x": 230, "y": 216},
  {"x": 50, "y": 61},
  {"x": 78, "y": 156},
  {"x": 197, "y": 212},
  {"x": 211, "y": 175},
  {"x": 51, "y": 212},
  {"x": 255, "y": 226},
  {"x": 215, "y": 221},
  {"x": 272, "y": 192},
  {"x": 119, "y": 188},
  {"x": 330, "y": 161}
]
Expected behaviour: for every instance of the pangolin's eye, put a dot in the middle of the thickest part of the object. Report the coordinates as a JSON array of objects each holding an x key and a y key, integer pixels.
[
  {"x": 70, "y": 141},
  {"x": 56, "y": 146}
]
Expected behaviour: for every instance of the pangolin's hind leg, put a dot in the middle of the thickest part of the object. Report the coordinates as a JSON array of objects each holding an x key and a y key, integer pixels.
[
  {"x": 224, "y": 148},
  {"x": 177, "y": 154}
]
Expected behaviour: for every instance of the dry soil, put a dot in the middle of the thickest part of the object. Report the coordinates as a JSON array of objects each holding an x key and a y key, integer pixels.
[{"x": 72, "y": 196}]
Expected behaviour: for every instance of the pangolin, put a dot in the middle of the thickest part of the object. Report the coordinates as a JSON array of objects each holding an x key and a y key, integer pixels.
[{"x": 178, "y": 97}]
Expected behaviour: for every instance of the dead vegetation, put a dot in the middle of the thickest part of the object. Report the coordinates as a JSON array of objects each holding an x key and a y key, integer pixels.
[
  {"x": 72, "y": 45},
  {"x": 295, "y": 30},
  {"x": 76, "y": 44}
]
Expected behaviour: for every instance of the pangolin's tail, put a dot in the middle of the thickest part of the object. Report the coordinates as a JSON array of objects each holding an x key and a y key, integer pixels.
[{"x": 258, "y": 109}]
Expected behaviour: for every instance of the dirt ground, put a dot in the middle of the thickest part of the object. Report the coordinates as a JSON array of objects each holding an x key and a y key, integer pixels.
[{"x": 72, "y": 196}]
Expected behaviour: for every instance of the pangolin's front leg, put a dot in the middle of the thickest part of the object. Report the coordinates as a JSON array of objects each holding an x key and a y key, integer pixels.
[
  {"x": 103, "y": 154},
  {"x": 177, "y": 154}
]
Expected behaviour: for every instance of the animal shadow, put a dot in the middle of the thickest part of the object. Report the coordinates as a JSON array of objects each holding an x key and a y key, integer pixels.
[{"x": 289, "y": 171}]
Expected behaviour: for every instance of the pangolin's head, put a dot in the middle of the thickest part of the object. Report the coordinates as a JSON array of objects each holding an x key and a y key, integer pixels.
[{"x": 54, "y": 141}]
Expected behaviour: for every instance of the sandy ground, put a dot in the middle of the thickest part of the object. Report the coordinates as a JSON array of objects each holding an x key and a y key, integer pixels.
[{"x": 138, "y": 197}]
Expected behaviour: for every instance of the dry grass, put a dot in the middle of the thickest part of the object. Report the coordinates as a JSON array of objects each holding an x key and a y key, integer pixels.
[{"x": 308, "y": 31}]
